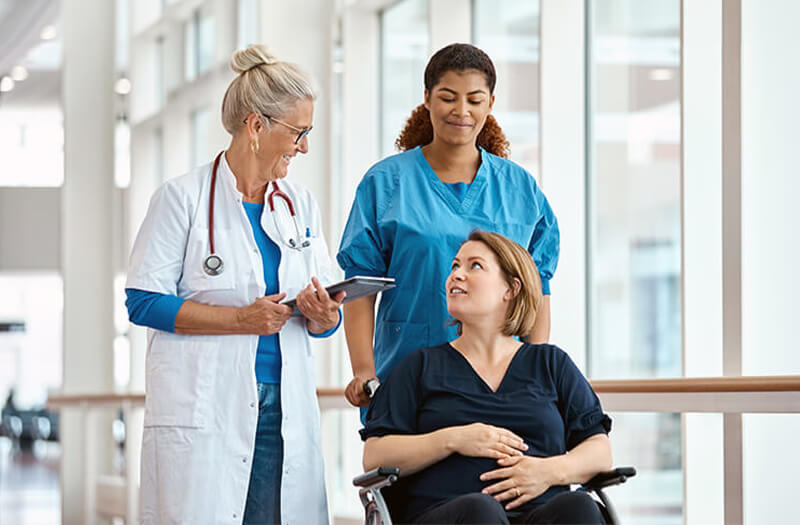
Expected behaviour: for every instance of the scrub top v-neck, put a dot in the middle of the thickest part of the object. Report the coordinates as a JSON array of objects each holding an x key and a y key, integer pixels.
[
  {"x": 456, "y": 205},
  {"x": 408, "y": 224}
]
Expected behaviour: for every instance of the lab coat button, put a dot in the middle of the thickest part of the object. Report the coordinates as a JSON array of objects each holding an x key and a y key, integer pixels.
[
  {"x": 234, "y": 516},
  {"x": 252, "y": 405},
  {"x": 244, "y": 460}
]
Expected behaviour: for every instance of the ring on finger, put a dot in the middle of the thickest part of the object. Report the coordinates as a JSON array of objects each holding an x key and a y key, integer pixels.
[{"x": 516, "y": 489}]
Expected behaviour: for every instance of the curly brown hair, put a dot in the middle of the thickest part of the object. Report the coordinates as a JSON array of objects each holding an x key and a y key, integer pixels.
[{"x": 418, "y": 130}]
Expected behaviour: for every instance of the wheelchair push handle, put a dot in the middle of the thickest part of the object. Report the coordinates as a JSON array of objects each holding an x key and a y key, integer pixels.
[
  {"x": 371, "y": 386},
  {"x": 376, "y": 476},
  {"x": 612, "y": 477}
]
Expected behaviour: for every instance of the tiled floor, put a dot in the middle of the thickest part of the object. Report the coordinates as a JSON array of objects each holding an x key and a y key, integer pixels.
[{"x": 29, "y": 485}]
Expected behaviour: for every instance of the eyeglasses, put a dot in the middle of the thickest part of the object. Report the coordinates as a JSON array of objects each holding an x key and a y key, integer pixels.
[{"x": 301, "y": 132}]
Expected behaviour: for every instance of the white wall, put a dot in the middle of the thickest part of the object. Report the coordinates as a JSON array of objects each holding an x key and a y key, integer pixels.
[
  {"x": 563, "y": 166},
  {"x": 30, "y": 229}
]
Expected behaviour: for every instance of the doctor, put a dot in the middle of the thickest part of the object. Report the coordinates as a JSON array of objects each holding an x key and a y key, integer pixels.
[{"x": 231, "y": 417}]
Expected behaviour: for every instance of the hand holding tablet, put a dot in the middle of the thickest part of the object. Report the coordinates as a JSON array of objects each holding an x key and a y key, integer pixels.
[{"x": 356, "y": 287}]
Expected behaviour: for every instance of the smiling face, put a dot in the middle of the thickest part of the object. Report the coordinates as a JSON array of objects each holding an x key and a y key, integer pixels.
[
  {"x": 459, "y": 104},
  {"x": 476, "y": 288},
  {"x": 277, "y": 142}
]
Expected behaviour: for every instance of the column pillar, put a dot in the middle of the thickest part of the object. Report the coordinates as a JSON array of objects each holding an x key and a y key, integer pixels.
[{"x": 86, "y": 253}]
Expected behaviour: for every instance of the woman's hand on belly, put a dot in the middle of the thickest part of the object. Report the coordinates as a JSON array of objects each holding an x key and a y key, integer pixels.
[
  {"x": 486, "y": 441},
  {"x": 266, "y": 316},
  {"x": 522, "y": 478}
]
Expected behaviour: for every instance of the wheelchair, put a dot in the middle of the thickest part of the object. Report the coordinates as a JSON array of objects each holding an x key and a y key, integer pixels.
[{"x": 376, "y": 511}]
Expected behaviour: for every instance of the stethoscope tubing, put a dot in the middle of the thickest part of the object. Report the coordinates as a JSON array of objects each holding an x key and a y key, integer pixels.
[
  {"x": 211, "y": 203},
  {"x": 295, "y": 244}
]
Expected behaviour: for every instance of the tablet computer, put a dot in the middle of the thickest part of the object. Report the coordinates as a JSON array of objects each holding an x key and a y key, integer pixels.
[{"x": 356, "y": 287}]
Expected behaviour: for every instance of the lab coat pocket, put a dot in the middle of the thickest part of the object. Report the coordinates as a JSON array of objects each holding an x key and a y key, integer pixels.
[
  {"x": 180, "y": 378},
  {"x": 320, "y": 260},
  {"x": 197, "y": 249},
  {"x": 302, "y": 265}
]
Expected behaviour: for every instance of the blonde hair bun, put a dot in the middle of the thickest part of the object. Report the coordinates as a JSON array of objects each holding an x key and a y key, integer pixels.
[
  {"x": 244, "y": 60},
  {"x": 267, "y": 90}
]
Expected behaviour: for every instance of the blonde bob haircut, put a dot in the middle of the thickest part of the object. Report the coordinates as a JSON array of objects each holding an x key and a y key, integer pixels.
[
  {"x": 263, "y": 85},
  {"x": 517, "y": 265}
]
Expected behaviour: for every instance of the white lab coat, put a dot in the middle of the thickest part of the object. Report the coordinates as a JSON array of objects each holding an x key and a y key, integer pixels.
[{"x": 202, "y": 405}]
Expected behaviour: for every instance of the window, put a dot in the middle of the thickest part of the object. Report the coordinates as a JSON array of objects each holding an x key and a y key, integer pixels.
[
  {"x": 404, "y": 54},
  {"x": 634, "y": 231},
  {"x": 634, "y": 189},
  {"x": 32, "y": 147},
  {"x": 199, "y": 44},
  {"x": 159, "y": 73},
  {"x": 30, "y": 358},
  {"x": 198, "y": 152},
  {"x": 158, "y": 156},
  {"x": 651, "y": 442},
  {"x": 248, "y": 26},
  {"x": 122, "y": 154},
  {"x": 508, "y": 30}
]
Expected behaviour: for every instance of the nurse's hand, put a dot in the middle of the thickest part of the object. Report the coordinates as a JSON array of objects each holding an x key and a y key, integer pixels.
[
  {"x": 265, "y": 316},
  {"x": 321, "y": 310},
  {"x": 355, "y": 393}
]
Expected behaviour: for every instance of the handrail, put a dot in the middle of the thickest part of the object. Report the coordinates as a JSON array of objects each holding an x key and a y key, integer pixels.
[
  {"x": 63, "y": 400},
  {"x": 680, "y": 385},
  {"x": 676, "y": 385}
]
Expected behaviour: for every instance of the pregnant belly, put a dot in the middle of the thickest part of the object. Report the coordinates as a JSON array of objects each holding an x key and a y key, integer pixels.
[{"x": 454, "y": 476}]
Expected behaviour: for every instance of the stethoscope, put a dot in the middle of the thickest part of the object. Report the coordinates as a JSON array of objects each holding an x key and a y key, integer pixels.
[{"x": 213, "y": 264}]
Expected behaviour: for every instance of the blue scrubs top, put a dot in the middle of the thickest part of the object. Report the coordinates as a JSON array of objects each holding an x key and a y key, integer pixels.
[
  {"x": 408, "y": 224},
  {"x": 543, "y": 398}
]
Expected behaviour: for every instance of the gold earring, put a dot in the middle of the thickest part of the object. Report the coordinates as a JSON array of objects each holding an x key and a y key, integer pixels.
[{"x": 254, "y": 146}]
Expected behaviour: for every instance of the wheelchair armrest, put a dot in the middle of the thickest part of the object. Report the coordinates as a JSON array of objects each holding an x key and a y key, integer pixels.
[
  {"x": 610, "y": 478},
  {"x": 378, "y": 475}
]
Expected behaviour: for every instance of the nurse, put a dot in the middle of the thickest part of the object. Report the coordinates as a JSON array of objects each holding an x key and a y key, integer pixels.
[
  {"x": 231, "y": 425},
  {"x": 413, "y": 209}
]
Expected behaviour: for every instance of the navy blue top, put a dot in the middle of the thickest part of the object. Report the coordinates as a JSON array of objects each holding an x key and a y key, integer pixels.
[{"x": 543, "y": 398}]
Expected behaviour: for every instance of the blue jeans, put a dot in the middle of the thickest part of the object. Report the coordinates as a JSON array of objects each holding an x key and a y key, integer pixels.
[{"x": 264, "y": 492}]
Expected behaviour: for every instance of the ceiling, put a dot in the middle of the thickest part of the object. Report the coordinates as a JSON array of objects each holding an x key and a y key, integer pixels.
[{"x": 21, "y": 22}]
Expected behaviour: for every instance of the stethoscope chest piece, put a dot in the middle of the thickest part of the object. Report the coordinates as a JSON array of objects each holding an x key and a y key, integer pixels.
[{"x": 213, "y": 265}]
